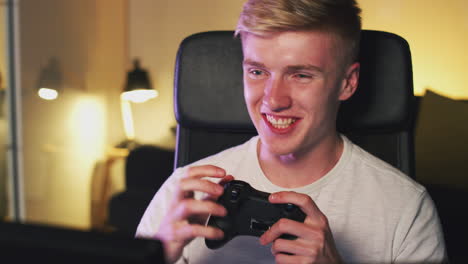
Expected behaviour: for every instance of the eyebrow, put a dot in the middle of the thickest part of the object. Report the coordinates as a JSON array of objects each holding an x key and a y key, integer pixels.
[
  {"x": 253, "y": 63},
  {"x": 307, "y": 67},
  {"x": 290, "y": 68}
]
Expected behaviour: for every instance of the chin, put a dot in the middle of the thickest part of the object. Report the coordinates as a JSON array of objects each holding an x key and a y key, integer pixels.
[{"x": 278, "y": 147}]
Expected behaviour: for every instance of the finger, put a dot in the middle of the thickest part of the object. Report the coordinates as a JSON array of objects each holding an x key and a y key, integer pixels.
[
  {"x": 303, "y": 201},
  {"x": 284, "y": 226},
  {"x": 190, "y": 207},
  {"x": 190, "y": 231},
  {"x": 226, "y": 179},
  {"x": 205, "y": 171},
  {"x": 295, "y": 247},
  {"x": 304, "y": 230},
  {"x": 189, "y": 185},
  {"x": 223, "y": 182},
  {"x": 198, "y": 172}
]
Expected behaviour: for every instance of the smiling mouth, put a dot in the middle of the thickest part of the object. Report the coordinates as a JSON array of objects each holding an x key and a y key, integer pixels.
[{"x": 280, "y": 122}]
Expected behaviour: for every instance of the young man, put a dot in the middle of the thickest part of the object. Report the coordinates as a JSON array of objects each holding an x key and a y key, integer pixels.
[{"x": 299, "y": 63}]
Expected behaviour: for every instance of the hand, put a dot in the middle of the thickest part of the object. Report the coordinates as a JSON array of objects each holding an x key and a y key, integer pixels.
[
  {"x": 187, "y": 216},
  {"x": 314, "y": 243}
]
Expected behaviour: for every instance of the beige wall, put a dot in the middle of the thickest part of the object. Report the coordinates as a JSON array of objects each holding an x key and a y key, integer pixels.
[
  {"x": 3, "y": 46},
  {"x": 63, "y": 139},
  {"x": 437, "y": 32}
]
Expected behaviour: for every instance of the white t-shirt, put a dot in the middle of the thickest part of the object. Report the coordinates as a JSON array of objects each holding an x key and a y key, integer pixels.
[{"x": 376, "y": 213}]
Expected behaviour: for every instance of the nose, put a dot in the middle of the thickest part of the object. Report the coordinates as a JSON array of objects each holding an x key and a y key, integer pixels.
[{"x": 276, "y": 95}]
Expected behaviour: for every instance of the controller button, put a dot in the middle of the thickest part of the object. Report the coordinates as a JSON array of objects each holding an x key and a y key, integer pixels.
[
  {"x": 289, "y": 207},
  {"x": 235, "y": 193}
]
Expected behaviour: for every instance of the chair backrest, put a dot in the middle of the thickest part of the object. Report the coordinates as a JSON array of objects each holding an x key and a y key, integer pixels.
[{"x": 212, "y": 116}]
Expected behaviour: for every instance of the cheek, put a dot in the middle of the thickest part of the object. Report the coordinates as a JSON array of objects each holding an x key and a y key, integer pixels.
[
  {"x": 314, "y": 100},
  {"x": 253, "y": 92}
]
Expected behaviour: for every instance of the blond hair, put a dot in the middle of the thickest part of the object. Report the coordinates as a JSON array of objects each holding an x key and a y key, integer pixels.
[{"x": 339, "y": 17}]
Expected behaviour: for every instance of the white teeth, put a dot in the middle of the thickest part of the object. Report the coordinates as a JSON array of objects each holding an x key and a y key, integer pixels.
[{"x": 281, "y": 123}]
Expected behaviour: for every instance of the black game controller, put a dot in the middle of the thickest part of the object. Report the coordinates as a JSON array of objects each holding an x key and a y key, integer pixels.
[{"x": 249, "y": 213}]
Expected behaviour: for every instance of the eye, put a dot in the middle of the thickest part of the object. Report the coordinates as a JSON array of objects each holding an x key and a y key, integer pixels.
[
  {"x": 256, "y": 74},
  {"x": 303, "y": 77},
  {"x": 300, "y": 75}
]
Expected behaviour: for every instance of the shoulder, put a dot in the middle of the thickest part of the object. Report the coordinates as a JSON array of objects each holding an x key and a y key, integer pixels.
[
  {"x": 371, "y": 170},
  {"x": 391, "y": 205}
]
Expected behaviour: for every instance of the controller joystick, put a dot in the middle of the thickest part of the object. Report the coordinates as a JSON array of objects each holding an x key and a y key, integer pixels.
[{"x": 249, "y": 213}]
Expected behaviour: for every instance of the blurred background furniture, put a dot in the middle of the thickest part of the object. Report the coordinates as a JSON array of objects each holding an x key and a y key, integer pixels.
[
  {"x": 107, "y": 179},
  {"x": 441, "y": 147},
  {"x": 20, "y": 243},
  {"x": 146, "y": 169}
]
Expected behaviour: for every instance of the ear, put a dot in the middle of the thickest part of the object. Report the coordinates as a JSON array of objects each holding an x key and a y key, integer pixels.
[{"x": 350, "y": 82}]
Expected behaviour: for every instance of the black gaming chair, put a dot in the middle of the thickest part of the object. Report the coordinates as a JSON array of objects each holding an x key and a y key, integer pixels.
[{"x": 212, "y": 116}]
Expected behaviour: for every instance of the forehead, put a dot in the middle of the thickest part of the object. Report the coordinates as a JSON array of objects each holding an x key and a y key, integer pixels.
[{"x": 291, "y": 48}]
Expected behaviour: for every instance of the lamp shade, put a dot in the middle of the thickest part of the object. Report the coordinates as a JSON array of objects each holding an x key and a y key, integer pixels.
[
  {"x": 50, "y": 81},
  {"x": 138, "y": 87}
]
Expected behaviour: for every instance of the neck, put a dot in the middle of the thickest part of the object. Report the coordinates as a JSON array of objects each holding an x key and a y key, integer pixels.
[{"x": 300, "y": 169}]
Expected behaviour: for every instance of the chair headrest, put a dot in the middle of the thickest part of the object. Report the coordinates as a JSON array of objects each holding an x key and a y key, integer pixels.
[{"x": 209, "y": 86}]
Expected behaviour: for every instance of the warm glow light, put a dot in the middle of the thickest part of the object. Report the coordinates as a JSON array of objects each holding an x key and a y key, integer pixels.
[
  {"x": 87, "y": 125},
  {"x": 139, "y": 95},
  {"x": 127, "y": 119},
  {"x": 82, "y": 148},
  {"x": 47, "y": 93},
  {"x": 437, "y": 35}
]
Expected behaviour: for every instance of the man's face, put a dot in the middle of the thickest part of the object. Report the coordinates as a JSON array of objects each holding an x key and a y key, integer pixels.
[{"x": 292, "y": 86}]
